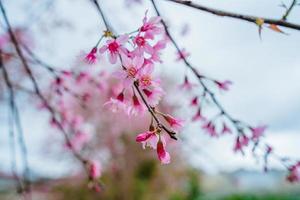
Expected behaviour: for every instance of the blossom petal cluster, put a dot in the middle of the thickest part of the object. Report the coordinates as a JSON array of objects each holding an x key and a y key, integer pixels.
[{"x": 136, "y": 55}]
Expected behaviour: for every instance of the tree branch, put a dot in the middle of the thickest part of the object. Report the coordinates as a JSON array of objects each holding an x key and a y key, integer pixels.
[{"x": 249, "y": 18}]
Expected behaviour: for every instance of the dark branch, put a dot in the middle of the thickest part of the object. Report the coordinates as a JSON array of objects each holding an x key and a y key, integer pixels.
[{"x": 243, "y": 17}]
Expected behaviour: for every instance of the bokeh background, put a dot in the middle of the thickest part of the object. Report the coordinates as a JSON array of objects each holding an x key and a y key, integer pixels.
[{"x": 266, "y": 87}]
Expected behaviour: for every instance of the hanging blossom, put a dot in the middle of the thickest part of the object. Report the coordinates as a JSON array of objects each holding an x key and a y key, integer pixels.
[
  {"x": 223, "y": 85},
  {"x": 155, "y": 140},
  {"x": 257, "y": 132},
  {"x": 116, "y": 104},
  {"x": 187, "y": 85},
  {"x": 95, "y": 173},
  {"x": 151, "y": 27},
  {"x": 241, "y": 142},
  {"x": 91, "y": 57},
  {"x": 114, "y": 48},
  {"x": 175, "y": 124},
  {"x": 95, "y": 169},
  {"x": 294, "y": 173},
  {"x": 182, "y": 55}
]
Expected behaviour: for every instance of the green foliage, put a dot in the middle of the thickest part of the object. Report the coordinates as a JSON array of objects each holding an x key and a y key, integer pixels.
[{"x": 262, "y": 197}]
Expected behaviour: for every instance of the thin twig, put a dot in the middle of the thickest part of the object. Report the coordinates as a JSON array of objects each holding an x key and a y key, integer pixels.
[
  {"x": 288, "y": 11},
  {"x": 12, "y": 105}
]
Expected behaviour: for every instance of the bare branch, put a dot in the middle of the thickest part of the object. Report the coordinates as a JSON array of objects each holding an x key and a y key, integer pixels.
[{"x": 249, "y": 18}]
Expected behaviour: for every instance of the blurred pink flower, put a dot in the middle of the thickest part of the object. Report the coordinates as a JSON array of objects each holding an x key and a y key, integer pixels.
[
  {"x": 186, "y": 85},
  {"x": 194, "y": 101},
  {"x": 257, "y": 132},
  {"x": 141, "y": 46},
  {"x": 182, "y": 54},
  {"x": 176, "y": 124},
  {"x": 148, "y": 138},
  {"x": 226, "y": 129},
  {"x": 151, "y": 26},
  {"x": 223, "y": 85},
  {"x": 91, "y": 57},
  {"x": 95, "y": 169},
  {"x": 210, "y": 128},
  {"x": 136, "y": 107},
  {"x": 198, "y": 116},
  {"x": 241, "y": 142},
  {"x": 153, "y": 96},
  {"x": 116, "y": 104}
]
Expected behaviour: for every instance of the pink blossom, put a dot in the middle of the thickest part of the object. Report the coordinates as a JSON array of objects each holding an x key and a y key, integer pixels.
[
  {"x": 210, "y": 128},
  {"x": 153, "y": 96},
  {"x": 116, "y": 104},
  {"x": 198, "y": 116},
  {"x": 223, "y": 85},
  {"x": 226, "y": 129},
  {"x": 54, "y": 123},
  {"x": 3, "y": 40},
  {"x": 155, "y": 56},
  {"x": 145, "y": 78},
  {"x": 257, "y": 132},
  {"x": 95, "y": 170},
  {"x": 76, "y": 121},
  {"x": 151, "y": 27},
  {"x": 176, "y": 124},
  {"x": 130, "y": 73},
  {"x": 82, "y": 77},
  {"x": 91, "y": 57},
  {"x": 294, "y": 173},
  {"x": 142, "y": 45},
  {"x": 136, "y": 108},
  {"x": 269, "y": 149},
  {"x": 194, "y": 101},
  {"x": 162, "y": 154},
  {"x": 86, "y": 97},
  {"x": 67, "y": 73},
  {"x": 79, "y": 140},
  {"x": 148, "y": 138},
  {"x": 182, "y": 55},
  {"x": 241, "y": 142},
  {"x": 186, "y": 84},
  {"x": 114, "y": 46}
]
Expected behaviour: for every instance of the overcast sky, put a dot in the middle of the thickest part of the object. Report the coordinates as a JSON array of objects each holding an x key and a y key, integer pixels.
[{"x": 265, "y": 73}]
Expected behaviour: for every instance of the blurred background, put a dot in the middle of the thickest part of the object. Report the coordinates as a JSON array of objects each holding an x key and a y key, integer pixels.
[{"x": 265, "y": 75}]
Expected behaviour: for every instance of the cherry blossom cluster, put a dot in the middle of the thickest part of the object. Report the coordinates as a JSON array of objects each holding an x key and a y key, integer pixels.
[
  {"x": 72, "y": 123},
  {"x": 137, "y": 54}
]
